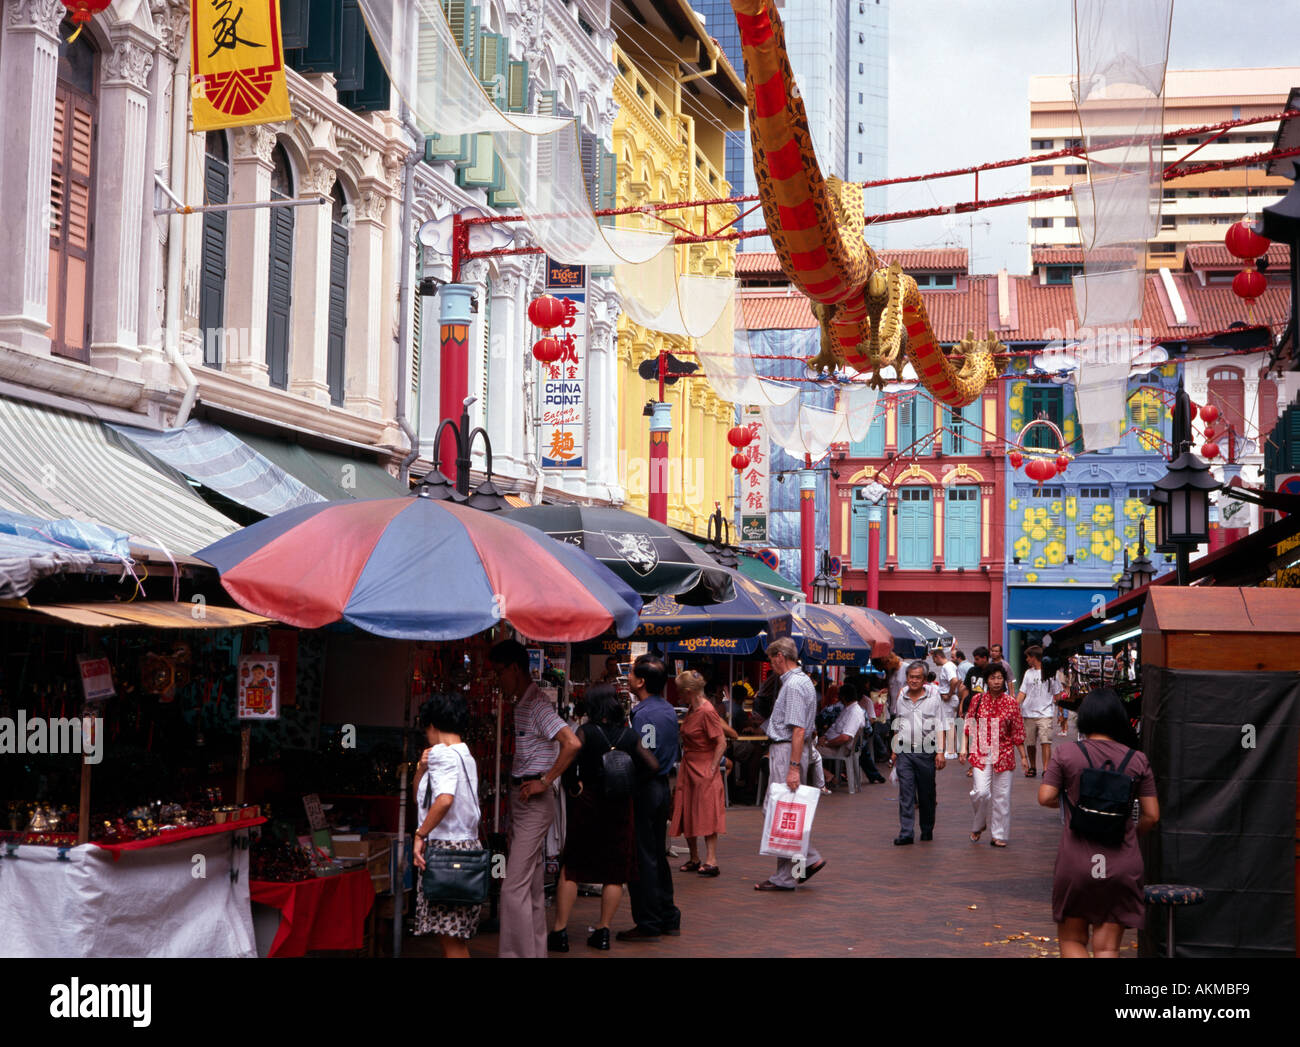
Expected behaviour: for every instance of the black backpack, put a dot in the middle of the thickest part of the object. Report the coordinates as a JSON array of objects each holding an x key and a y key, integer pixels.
[
  {"x": 618, "y": 773},
  {"x": 1105, "y": 801}
]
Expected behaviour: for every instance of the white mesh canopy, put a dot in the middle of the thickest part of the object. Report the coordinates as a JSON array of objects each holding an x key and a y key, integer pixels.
[
  {"x": 655, "y": 296},
  {"x": 724, "y": 353},
  {"x": 541, "y": 157},
  {"x": 800, "y": 429}
]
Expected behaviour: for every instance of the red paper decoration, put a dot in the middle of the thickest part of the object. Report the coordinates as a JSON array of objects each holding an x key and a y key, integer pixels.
[
  {"x": 547, "y": 350},
  {"x": 1249, "y": 284},
  {"x": 1062, "y": 463},
  {"x": 1208, "y": 413},
  {"x": 739, "y": 461},
  {"x": 1015, "y": 458},
  {"x": 1210, "y": 450},
  {"x": 1243, "y": 242},
  {"x": 1210, "y": 432},
  {"x": 546, "y": 312},
  {"x": 1040, "y": 469},
  {"x": 739, "y": 436},
  {"x": 80, "y": 11}
]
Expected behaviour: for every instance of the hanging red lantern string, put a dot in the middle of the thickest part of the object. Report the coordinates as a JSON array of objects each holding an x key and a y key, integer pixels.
[
  {"x": 547, "y": 350},
  {"x": 546, "y": 312},
  {"x": 1243, "y": 242},
  {"x": 1208, "y": 414},
  {"x": 81, "y": 11},
  {"x": 1016, "y": 459},
  {"x": 739, "y": 461},
  {"x": 1249, "y": 284},
  {"x": 739, "y": 436},
  {"x": 1210, "y": 450}
]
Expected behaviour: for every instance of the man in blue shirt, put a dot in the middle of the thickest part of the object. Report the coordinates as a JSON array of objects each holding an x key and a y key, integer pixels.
[{"x": 655, "y": 722}]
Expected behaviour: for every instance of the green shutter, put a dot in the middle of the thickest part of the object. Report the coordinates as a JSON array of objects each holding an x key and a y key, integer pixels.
[
  {"x": 480, "y": 172},
  {"x": 915, "y": 528},
  {"x": 517, "y": 87},
  {"x": 961, "y": 527}
]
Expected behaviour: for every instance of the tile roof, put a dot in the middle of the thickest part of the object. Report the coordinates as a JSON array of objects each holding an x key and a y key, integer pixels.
[
  {"x": 1216, "y": 256},
  {"x": 1042, "y": 312},
  {"x": 945, "y": 260},
  {"x": 1074, "y": 255}
]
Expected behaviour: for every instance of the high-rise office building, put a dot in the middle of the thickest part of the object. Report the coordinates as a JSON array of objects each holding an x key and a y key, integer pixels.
[
  {"x": 1196, "y": 209},
  {"x": 839, "y": 51}
]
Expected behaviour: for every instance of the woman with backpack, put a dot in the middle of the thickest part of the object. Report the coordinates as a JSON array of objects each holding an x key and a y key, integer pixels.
[
  {"x": 599, "y": 845},
  {"x": 1097, "y": 887},
  {"x": 698, "y": 806}
]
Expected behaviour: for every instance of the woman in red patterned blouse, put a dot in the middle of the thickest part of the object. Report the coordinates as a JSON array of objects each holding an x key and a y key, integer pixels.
[{"x": 991, "y": 735}]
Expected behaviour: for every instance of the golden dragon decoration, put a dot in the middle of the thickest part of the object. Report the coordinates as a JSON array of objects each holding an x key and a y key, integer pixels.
[{"x": 870, "y": 314}]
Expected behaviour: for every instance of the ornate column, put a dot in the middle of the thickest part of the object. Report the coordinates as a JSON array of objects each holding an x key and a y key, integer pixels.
[
  {"x": 365, "y": 330},
  {"x": 119, "y": 205},
  {"x": 29, "y": 56},
  {"x": 248, "y": 253},
  {"x": 313, "y": 243},
  {"x": 508, "y": 355}
]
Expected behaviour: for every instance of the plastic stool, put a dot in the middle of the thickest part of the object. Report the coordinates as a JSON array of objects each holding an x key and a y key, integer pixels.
[{"x": 1173, "y": 895}]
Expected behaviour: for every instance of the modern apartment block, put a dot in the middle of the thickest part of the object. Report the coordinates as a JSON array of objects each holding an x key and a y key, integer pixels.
[{"x": 1192, "y": 207}]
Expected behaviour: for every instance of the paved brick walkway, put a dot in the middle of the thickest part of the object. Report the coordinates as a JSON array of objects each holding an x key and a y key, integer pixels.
[{"x": 945, "y": 898}]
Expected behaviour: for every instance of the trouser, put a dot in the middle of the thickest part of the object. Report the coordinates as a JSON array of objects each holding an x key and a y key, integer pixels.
[
  {"x": 868, "y": 756},
  {"x": 816, "y": 773},
  {"x": 915, "y": 790},
  {"x": 779, "y": 760},
  {"x": 990, "y": 797},
  {"x": 652, "y": 894},
  {"x": 523, "y": 892}
]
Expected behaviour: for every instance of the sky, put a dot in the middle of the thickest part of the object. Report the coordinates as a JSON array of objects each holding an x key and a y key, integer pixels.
[{"x": 959, "y": 95}]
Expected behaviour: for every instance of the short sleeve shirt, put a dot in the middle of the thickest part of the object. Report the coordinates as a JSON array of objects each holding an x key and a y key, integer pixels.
[
  {"x": 536, "y": 725},
  {"x": 796, "y": 706},
  {"x": 1038, "y": 695},
  {"x": 849, "y": 721},
  {"x": 452, "y": 772}
]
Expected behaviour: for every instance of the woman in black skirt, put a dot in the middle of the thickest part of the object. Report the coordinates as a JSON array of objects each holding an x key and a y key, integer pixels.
[{"x": 599, "y": 844}]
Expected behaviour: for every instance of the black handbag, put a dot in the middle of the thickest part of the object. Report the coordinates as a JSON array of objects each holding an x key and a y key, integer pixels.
[{"x": 453, "y": 877}]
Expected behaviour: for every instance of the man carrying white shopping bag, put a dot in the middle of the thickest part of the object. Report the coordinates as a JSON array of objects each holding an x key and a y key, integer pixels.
[{"x": 789, "y": 808}]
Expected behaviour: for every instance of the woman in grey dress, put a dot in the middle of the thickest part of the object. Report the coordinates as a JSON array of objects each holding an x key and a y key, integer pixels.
[{"x": 1097, "y": 888}]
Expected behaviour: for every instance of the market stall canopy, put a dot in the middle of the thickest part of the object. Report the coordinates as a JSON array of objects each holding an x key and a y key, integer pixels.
[
  {"x": 153, "y": 614},
  {"x": 219, "y": 460},
  {"x": 930, "y": 631},
  {"x": 331, "y": 474},
  {"x": 751, "y": 611},
  {"x": 32, "y": 549},
  {"x": 830, "y": 638},
  {"x": 415, "y": 569},
  {"x": 57, "y": 464},
  {"x": 869, "y": 632},
  {"x": 907, "y": 642},
  {"x": 781, "y": 587},
  {"x": 650, "y": 557}
]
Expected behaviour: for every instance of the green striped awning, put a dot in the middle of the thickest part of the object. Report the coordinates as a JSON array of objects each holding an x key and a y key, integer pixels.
[
  {"x": 332, "y": 475},
  {"x": 55, "y": 464}
]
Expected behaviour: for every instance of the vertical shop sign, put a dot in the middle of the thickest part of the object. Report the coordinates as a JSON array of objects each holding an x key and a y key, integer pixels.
[
  {"x": 564, "y": 381},
  {"x": 754, "y": 480}
]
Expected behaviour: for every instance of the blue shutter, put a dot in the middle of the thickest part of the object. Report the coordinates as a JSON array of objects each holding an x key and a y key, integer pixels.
[
  {"x": 961, "y": 527},
  {"x": 873, "y": 444},
  {"x": 915, "y": 528},
  {"x": 212, "y": 272},
  {"x": 906, "y": 423},
  {"x": 961, "y": 432}
]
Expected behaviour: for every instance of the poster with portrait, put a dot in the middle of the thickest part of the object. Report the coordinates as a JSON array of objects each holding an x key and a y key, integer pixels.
[{"x": 259, "y": 687}]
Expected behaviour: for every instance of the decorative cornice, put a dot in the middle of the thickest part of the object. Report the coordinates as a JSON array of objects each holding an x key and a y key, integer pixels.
[
  {"x": 128, "y": 64},
  {"x": 370, "y": 204},
  {"x": 171, "y": 18},
  {"x": 320, "y": 177},
  {"x": 560, "y": 22},
  {"x": 253, "y": 143},
  {"x": 43, "y": 16}
]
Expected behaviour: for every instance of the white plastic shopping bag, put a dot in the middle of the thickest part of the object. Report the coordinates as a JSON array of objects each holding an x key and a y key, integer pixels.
[{"x": 788, "y": 820}]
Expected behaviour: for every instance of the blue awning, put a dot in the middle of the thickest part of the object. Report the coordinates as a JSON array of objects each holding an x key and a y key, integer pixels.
[
  {"x": 1050, "y": 606},
  {"x": 31, "y": 548},
  {"x": 222, "y": 462}
]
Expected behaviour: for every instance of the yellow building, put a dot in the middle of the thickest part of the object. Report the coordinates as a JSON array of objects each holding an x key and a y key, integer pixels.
[{"x": 676, "y": 96}]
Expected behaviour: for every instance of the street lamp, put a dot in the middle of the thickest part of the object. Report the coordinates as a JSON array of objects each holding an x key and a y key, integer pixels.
[
  {"x": 487, "y": 496},
  {"x": 1183, "y": 514},
  {"x": 1142, "y": 570},
  {"x": 1125, "y": 583},
  {"x": 825, "y": 586}
]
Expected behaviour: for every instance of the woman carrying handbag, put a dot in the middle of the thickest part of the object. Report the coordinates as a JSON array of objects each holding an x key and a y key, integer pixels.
[{"x": 447, "y": 848}]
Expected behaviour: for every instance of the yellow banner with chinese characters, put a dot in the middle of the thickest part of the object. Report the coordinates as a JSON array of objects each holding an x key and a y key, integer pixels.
[{"x": 237, "y": 76}]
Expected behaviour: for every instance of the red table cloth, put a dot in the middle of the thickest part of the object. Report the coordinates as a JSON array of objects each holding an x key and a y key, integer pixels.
[
  {"x": 178, "y": 834},
  {"x": 327, "y": 912}
]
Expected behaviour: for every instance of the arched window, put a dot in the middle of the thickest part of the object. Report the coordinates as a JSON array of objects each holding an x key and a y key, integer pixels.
[
  {"x": 335, "y": 367},
  {"x": 212, "y": 275},
  {"x": 71, "y": 196},
  {"x": 280, "y": 275}
]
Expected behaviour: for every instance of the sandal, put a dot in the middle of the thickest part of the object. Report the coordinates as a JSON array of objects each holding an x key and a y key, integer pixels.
[
  {"x": 997, "y": 843},
  {"x": 709, "y": 870},
  {"x": 975, "y": 837},
  {"x": 689, "y": 867},
  {"x": 768, "y": 885},
  {"x": 1030, "y": 772}
]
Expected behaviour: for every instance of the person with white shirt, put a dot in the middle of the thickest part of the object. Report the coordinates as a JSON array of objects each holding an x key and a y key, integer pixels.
[
  {"x": 1037, "y": 699},
  {"x": 946, "y": 674},
  {"x": 837, "y": 742},
  {"x": 920, "y": 730},
  {"x": 449, "y": 816}
]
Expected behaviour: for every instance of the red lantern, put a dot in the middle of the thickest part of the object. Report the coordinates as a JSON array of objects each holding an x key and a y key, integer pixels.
[
  {"x": 547, "y": 350},
  {"x": 1062, "y": 463},
  {"x": 1192, "y": 410},
  {"x": 1210, "y": 450},
  {"x": 739, "y": 436},
  {"x": 1040, "y": 469},
  {"x": 739, "y": 461},
  {"x": 1015, "y": 458},
  {"x": 1243, "y": 242},
  {"x": 1208, "y": 413},
  {"x": 546, "y": 312},
  {"x": 80, "y": 11},
  {"x": 1210, "y": 432},
  {"x": 1249, "y": 284}
]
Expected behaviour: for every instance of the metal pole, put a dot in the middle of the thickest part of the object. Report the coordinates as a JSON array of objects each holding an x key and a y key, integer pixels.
[
  {"x": 807, "y": 527},
  {"x": 184, "y": 209},
  {"x": 874, "y": 513},
  {"x": 1182, "y": 557},
  {"x": 661, "y": 424}
]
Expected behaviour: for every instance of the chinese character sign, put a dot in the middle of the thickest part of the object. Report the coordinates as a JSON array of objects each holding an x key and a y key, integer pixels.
[
  {"x": 563, "y": 410},
  {"x": 238, "y": 75},
  {"x": 754, "y": 479},
  {"x": 259, "y": 687}
]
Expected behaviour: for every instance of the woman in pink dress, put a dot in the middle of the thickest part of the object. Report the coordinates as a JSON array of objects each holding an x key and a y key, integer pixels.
[{"x": 699, "y": 802}]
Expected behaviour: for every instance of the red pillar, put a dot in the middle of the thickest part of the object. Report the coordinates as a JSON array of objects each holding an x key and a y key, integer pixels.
[
  {"x": 807, "y": 531},
  {"x": 453, "y": 381},
  {"x": 873, "y": 556},
  {"x": 661, "y": 424}
]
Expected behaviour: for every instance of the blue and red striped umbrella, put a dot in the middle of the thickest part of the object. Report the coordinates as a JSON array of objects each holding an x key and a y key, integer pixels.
[{"x": 416, "y": 569}]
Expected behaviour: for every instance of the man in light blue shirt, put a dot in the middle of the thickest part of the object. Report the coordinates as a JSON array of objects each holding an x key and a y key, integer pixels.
[{"x": 791, "y": 729}]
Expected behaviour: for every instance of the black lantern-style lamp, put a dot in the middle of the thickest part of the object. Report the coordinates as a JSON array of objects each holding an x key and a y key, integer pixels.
[
  {"x": 1159, "y": 502},
  {"x": 1187, "y": 484},
  {"x": 825, "y": 586},
  {"x": 1142, "y": 570}
]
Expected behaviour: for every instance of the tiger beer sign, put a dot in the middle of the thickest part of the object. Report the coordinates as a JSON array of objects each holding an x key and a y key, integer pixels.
[{"x": 238, "y": 64}]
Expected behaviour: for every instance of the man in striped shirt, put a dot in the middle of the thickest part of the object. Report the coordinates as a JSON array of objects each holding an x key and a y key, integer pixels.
[{"x": 544, "y": 748}]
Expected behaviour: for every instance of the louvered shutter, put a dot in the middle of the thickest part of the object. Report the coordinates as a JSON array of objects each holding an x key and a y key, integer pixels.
[
  {"x": 516, "y": 102},
  {"x": 71, "y": 227},
  {"x": 295, "y": 23},
  {"x": 590, "y": 146},
  {"x": 1267, "y": 407},
  {"x": 323, "y": 47},
  {"x": 278, "y": 297},
  {"x": 336, "y": 359},
  {"x": 212, "y": 275},
  {"x": 961, "y": 527}
]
